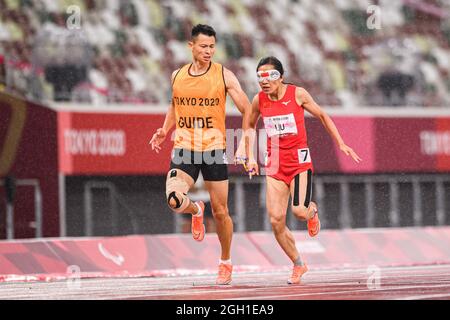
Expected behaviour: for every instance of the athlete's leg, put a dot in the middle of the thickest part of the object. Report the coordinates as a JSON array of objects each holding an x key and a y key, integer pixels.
[
  {"x": 297, "y": 189},
  {"x": 215, "y": 174},
  {"x": 277, "y": 197},
  {"x": 178, "y": 184},
  {"x": 218, "y": 192},
  {"x": 302, "y": 206},
  {"x": 301, "y": 188}
]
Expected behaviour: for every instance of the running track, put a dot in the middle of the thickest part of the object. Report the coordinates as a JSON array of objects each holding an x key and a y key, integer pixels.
[{"x": 404, "y": 283}]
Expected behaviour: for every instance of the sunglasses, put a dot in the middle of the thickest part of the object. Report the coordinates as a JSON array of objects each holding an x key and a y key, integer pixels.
[{"x": 270, "y": 75}]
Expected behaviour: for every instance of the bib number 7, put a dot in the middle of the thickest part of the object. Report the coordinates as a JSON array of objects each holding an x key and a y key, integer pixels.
[{"x": 304, "y": 155}]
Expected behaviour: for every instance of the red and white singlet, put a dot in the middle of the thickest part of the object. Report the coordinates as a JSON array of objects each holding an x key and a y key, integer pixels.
[{"x": 287, "y": 148}]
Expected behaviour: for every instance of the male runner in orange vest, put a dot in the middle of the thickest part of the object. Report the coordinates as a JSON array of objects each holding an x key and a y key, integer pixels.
[{"x": 199, "y": 92}]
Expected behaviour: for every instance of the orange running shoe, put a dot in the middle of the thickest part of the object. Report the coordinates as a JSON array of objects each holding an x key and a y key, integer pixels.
[
  {"x": 314, "y": 222},
  {"x": 224, "y": 276},
  {"x": 197, "y": 226},
  {"x": 297, "y": 273}
]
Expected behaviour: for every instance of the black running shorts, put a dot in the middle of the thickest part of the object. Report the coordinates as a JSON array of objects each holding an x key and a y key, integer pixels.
[{"x": 212, "y": 164}]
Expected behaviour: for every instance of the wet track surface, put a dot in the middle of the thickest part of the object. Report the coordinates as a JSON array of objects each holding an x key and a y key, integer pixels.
[{"x": 419, "y": 282}]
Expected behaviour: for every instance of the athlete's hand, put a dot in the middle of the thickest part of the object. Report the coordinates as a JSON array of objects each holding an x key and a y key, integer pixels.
[
  {"x": 252, "y": 167},
  {"x": 157, "y": 139},
  {"x": 241, "y": 154},
  {"x": 349, "y": 152},
  {"x": 249, "y": 162}
]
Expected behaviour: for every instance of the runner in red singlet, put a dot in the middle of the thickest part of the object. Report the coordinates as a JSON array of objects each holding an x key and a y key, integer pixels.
[{"x": 288, "y": 166}]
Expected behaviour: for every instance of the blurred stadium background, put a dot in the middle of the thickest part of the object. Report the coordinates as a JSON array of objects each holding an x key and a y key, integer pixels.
[{"x": 84, "y": 84}]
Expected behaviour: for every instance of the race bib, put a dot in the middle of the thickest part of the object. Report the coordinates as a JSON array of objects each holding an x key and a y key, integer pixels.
[
  {"x": 280, "y": 125},
  {"x": 304, "y": 156}
]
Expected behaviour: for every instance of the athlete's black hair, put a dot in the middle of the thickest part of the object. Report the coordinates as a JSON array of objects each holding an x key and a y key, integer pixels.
[
  {"x": 273, "y": 61},
  {"x": 203, "y": 29}
]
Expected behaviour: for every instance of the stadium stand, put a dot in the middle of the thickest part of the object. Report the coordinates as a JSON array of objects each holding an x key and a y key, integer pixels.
[{"x": 125, "y": 51}]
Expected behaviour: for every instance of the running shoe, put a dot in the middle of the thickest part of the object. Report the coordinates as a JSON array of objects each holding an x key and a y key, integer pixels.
[
  {"x": 197, "y": 227},
  {"x": 297, "y": 273},
  {"x": 224, "y": 276},
  {"x": 314, "y": 222}
]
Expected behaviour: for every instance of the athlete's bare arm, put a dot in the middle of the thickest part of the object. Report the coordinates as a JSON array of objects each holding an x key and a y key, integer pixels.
[
  {"x": 235, "y": 91},
  {"x": 252, "y": 119},
  {"x": 241, "y": 101},
  {"x": 254, "y": 114},
  {"x": 169, "y": 122},
  {"x": 304, "y": 98}
]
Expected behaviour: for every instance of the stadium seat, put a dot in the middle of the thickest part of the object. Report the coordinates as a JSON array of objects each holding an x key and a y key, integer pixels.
[{"x": 136, "y": 42}]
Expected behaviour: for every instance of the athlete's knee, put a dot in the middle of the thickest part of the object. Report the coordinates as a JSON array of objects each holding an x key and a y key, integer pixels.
[
  {"x": 176, "y": 190},
  {"x": 278, "y": 223},
  {"x": 304, "y": 213},
  {"x": 220, "y": 212},
  {"x": 301, "y": 212},
  {"x": 177, "y": 201}
]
